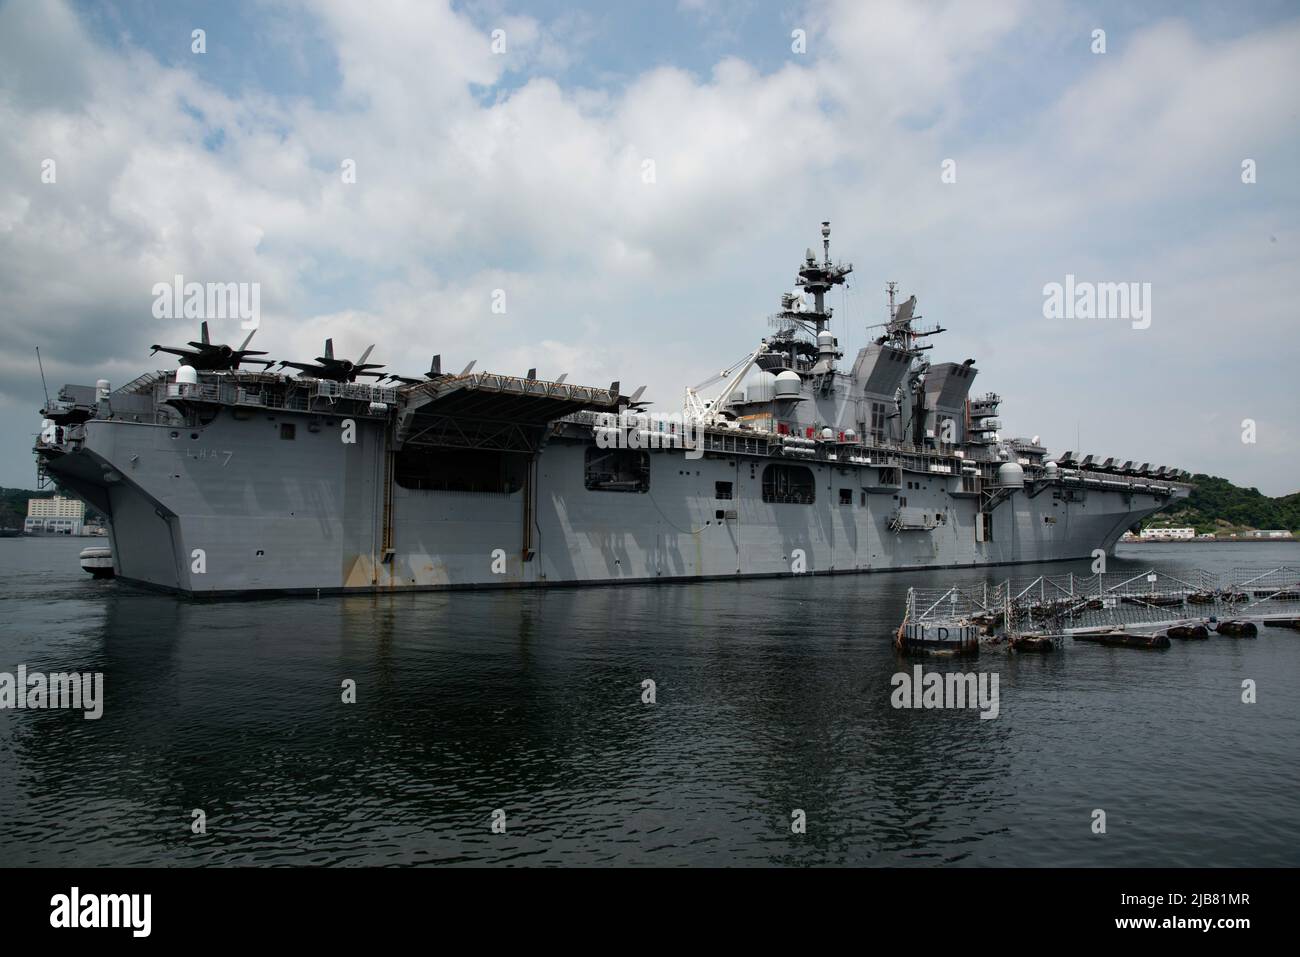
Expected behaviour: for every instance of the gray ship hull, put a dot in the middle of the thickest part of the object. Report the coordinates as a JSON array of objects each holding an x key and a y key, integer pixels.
[
  {"x": 230, "y": 508},
  {"x": 221, "y": 481}
]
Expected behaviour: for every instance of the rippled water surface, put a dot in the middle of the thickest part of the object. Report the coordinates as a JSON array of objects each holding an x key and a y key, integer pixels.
[{"x": 772, "y": 695}]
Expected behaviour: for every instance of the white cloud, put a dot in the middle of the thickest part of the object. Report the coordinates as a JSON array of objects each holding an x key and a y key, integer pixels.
[{"x": 477, "y": 172}]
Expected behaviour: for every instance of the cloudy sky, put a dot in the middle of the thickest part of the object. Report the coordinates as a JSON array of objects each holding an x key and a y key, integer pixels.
[{"x": 525, "y": 170}]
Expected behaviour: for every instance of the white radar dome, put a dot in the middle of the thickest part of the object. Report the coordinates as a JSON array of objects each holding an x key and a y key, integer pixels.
[
  {"x": 1010, "y": 475},
  {"x": 788, "y": 384},
  {"x": 763, "y": 388}
]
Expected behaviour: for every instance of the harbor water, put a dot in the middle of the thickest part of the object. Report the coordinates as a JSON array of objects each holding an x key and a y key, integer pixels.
[{"x": 770, "y": 697}]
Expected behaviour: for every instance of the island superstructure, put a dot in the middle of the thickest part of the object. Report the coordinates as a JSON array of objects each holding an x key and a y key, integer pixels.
[{"x": 218, "y": 480}]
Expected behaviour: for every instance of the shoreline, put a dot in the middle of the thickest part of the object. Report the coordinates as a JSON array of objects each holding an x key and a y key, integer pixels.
[{"x": 1209, "y": 541}]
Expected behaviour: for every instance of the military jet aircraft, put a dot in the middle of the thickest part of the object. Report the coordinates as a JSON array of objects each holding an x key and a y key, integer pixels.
[
  {"x": 337, "y": 370},
  {"x": 208, "y": 356}
]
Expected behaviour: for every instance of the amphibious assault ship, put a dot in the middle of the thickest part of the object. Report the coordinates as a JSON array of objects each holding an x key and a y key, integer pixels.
[{"x": 221, "y": 480}]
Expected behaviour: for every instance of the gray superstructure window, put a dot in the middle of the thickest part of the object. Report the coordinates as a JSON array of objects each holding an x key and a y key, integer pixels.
[
  {"x": 789, "y": 485},
  {"x": 617, "y": 470},
  {"x": 878, "y": 421}
]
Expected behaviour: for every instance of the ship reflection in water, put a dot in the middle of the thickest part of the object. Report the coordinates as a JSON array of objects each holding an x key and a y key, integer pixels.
[{"x": 771, "y": 696}]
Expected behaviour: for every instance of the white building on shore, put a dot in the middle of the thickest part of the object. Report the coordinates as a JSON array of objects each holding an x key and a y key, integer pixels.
[
  {"x": 1167, "y": 534},
  {"x": 54, "y": 516}
]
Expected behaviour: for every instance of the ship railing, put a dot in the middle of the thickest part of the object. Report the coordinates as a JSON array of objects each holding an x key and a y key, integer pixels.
[
  {"x": 943, "y": 463},
  {"x": 198, "y": 392},
  {"x": 1264, "y": 577},
  {"x": 957, "y": 602},
  {"x": 357, "y": 391},
  {"x": 143, "y": 383},
  {"x": 289, "y": 402},
  {"x": 736, "y": 441},
  {"x": 1152, "y": 582},
  {"x": 1110, "y": 600},
  {"x": 580, "y": 418},
  {"x": 1149, "y": 589},
  {"x": 1094, "y": 479},
  {"x": 216, "y": 392},
  {"x": 293, "y": 400},
  {"x": 1259, "y": 585},
  {"x": 912, "y": 520},
  {"x": 745, "y": 441},
  {"x": 296, "y": 398}
]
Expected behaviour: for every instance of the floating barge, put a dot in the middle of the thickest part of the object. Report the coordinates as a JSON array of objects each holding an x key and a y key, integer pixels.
[
  {"x": 1032, "y": 644},
  {"x": 1121, "y": 611},
  {"x": 1123, "y": 639}
]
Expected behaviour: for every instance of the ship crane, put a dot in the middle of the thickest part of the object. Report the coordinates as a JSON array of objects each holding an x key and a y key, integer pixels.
[{"x": 707, "y": 411}]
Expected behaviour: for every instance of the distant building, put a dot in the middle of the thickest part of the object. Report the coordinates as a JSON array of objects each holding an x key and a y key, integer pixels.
[
  {"x": 1161, "y": 534},
  {"x": 54, "y": 516},
  {"x": 1269, "y": 533}
]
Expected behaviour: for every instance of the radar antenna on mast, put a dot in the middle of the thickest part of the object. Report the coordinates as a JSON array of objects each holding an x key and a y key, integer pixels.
[{"x": 900, "y": 330}]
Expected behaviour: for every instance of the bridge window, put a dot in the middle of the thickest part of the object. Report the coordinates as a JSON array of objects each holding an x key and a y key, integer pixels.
[
  {"x": 788, "y": 484},
  {"x": 878, "y": 420},
  {"x": 617, "y": 470}
]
